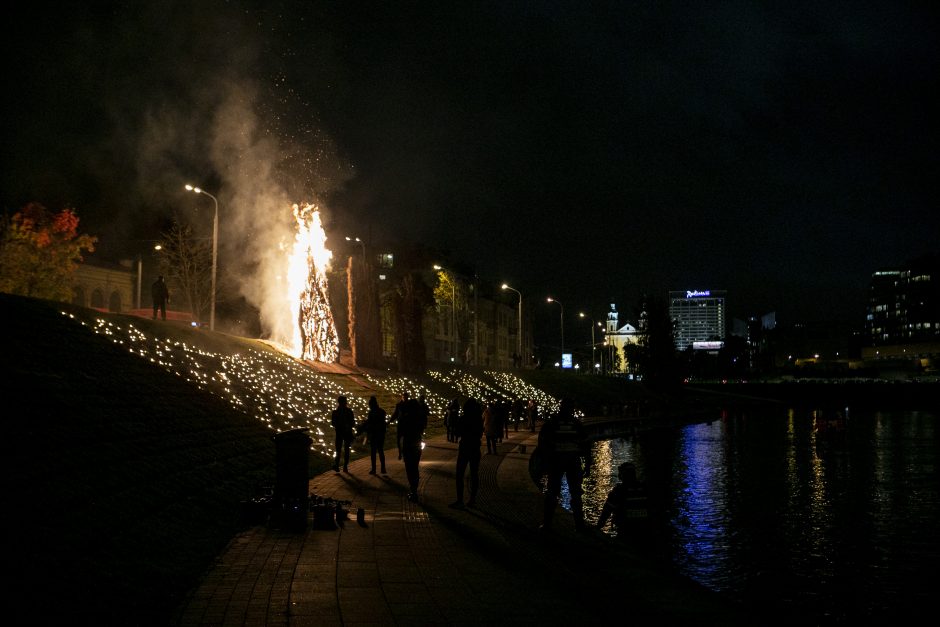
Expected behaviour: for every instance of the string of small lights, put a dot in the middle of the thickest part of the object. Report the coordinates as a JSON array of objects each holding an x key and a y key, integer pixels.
[{"x": 285, "y": 394}]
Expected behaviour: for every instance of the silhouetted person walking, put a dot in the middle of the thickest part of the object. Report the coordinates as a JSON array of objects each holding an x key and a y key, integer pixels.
[
  {"x": 161, "y": 296},
  {"x": 375, "y": 427},
  {"x": 344, "y": 423},
  {"x": 563, "y": 448},
  {"x": 412, "y": 420},
  {"x": 469, "y": 432}
]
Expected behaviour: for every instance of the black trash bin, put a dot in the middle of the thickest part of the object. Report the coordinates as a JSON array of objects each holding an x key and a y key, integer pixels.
[{"x": 291, "y": 485}]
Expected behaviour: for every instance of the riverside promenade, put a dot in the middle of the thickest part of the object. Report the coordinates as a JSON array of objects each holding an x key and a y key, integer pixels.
[{"x": 425, "y": 563}]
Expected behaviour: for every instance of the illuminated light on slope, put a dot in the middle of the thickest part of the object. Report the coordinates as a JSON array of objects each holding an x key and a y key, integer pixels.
[{"x": 315, "y": 335}]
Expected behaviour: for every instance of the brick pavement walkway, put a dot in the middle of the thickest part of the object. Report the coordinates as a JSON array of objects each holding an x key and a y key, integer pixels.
[{"x": 427, "y": 564}]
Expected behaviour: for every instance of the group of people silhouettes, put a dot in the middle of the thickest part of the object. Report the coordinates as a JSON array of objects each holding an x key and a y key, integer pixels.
[
  {"x": 411, "y": 419},
  {"x": 563, "y": 450}
]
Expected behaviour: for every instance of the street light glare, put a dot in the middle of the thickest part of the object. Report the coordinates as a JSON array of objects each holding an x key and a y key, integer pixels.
[{"x": 215, "y": 247}]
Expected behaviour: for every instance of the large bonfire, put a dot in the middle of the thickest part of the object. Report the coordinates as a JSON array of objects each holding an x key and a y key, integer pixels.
[{"x": 315, "y": 336}]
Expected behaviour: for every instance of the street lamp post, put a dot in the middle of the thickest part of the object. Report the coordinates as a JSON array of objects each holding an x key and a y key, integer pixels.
[
  {"x": 519, "y": 330},
  {"x": 453, "y": 313},
  {"x": 582, "y": 315},
  {"x": 361, "y": 243},
  {"x": 140, "y": 271},
  {"x": 215, "y": 250},
  {"x": 555, "y": 300}
]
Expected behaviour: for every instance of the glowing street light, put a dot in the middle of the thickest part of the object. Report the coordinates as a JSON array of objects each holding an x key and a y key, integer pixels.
[
  {"x": 361, "y": 243},
  {"x": 593, "y": 323},
  {"x": 453, "y": 312},
  {"x": 519, "y": 330},
  {"x": 215, "y": 248},
  {"x": 555, "y": 300},
  {"x": 140, "y": 271}
]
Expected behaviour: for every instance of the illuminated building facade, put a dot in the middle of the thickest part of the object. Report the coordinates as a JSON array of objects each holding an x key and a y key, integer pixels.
[
  {"x": 903, "y": 317},
  {"x": 616, "y": 340},
  {"x": 698, "y": 317}
]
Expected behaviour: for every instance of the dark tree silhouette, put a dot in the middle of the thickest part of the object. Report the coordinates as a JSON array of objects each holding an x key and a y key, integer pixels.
[
  {"x": 365, "y": 328},
  {"x": 411, "y": 299}
]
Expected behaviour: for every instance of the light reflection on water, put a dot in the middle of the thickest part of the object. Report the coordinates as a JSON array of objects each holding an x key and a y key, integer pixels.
[{"x": 764, "y": 506}]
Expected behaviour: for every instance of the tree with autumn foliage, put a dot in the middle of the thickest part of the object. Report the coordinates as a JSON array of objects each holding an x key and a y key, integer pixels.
[{"x": 39, "y": 251}]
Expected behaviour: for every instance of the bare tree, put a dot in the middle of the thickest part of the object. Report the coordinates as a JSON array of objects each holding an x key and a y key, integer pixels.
[{"x": 186, "y": 263}]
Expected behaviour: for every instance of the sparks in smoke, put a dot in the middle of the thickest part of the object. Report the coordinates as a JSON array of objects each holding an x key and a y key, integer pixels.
[{"x": 315, "y": 335}]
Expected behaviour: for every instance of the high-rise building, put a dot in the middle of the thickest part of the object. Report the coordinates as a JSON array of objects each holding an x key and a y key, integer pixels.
[
  {"x": 698, "y": 317},
  {"x": 904, "y": 305}
]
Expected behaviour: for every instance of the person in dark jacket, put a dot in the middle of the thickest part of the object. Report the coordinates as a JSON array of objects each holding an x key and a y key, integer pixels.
[
  {"x": 469, "y": 432},
  {"x": 375, "y": 427},
  {"x": 563, "y": 448},
  {"x": 451, "y": 417},
  {"x": 411, "y": 418},
  {"x": 161, "y": 296},
  {"x": 532, "y": 414},
  {"x": 344, "y": 424}
]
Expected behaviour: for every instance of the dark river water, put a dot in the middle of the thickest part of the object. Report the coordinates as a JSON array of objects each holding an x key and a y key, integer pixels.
[{"x": 825, "y": 525}]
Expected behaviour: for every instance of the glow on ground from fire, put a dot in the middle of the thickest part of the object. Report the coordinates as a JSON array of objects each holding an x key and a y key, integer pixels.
[
  {"x": 286, "y": 394},
  {"x": 315, "y": 335}
]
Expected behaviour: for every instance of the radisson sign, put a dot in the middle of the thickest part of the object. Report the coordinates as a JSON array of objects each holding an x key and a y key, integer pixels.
[{"x": 696, "y": 293}]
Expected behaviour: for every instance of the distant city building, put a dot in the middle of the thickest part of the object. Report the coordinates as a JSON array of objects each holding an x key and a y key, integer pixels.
[
  {"x": 487, "y": 330},
  {"x": 903, "y": 317},
  {"x": 698, "y": 317},
  {"x": 754, "y": 332}
]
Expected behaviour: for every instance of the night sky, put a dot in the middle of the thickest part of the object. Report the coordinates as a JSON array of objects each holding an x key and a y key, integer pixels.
[{"x": 591, "y": 151}]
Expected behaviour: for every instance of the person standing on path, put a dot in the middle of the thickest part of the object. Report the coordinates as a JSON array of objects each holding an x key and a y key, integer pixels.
[
  {"x": 375, "y": 427},
  {"x": 491, "y": 427},
  {"x": 451, "y": 416},
  {"x": 518, "y": 412},
  {"x": 344, "y": 424},
  {"x": 469, "y": 432},
  {"x": 412, "y": 420},
  {"x": 532, "y": 414},
  {"x": 161, "y": 296},
  {"x": 563, "y": 448}
]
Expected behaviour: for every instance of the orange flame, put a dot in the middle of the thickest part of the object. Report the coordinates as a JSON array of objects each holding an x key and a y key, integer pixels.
[{"x": 315, "y": 334}]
